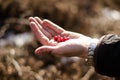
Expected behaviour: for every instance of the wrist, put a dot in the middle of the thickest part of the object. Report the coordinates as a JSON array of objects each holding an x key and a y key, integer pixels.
[
  {"x": 90, "y": 51},
  {"x": 92, "y": 45}
]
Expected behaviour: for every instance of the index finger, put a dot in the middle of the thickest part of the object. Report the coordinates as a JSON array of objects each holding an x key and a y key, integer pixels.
[
  {"x": 53, "y": 26},
  {"x": 40, "y": 36},
  {"x": 38, "y": 23}
]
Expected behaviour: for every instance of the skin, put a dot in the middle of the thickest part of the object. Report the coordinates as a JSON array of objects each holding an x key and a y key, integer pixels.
[{"x": 45, "y": 30}]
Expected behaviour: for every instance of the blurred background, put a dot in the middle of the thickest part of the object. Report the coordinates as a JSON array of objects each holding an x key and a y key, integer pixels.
[{"x": 93, "y": 18}]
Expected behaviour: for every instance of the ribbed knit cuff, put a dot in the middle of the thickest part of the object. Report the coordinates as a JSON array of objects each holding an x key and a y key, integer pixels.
[{"x": 92, "y": 47}]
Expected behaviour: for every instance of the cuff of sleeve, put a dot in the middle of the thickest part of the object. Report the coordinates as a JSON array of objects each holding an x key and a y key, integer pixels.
[
  {"x": 92, "y": 47},
  {"x": 107, "y": 56}
]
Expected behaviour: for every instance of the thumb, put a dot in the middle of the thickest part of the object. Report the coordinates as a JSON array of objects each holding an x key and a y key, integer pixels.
[{"x": 45, "y": 49}]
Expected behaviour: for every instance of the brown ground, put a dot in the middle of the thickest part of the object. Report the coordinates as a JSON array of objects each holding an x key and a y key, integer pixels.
[{"x": 84, "y": 16}]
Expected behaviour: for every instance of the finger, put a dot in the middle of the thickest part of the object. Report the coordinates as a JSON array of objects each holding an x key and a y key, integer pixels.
[
  {"x": 38, "y": 20},
  {"x": 46, "y": 28},
  {"x": 53, "y": 26},
  {"x": 53, "y": 33},
  {"x": 45, "y": 49},
  {"x": 38, "y": 23},
  {"x": 55, "y": 50},
  {"x": 40, "y": 36}
]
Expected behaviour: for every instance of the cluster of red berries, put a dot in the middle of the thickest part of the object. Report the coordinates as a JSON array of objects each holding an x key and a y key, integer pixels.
[{"x": 60, "y": 38}]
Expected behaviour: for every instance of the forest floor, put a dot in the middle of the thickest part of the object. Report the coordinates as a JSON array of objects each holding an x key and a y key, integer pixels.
[{"x": 93, "y": 18}]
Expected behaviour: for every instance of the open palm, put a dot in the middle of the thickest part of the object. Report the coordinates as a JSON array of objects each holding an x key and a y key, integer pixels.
[{"x": 45, "y": 30}]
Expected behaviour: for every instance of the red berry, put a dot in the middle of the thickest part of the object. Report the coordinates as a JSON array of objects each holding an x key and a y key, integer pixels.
[
  {"x": 60, "y": 38},
  {"x": 55, "y": 38},
  {"x": 66, "y": 38}
]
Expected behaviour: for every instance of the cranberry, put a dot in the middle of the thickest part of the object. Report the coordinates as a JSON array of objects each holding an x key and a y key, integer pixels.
[
  {"x": 55, "y": 38},
  {"x": 65, "y": 38},
  {"x": 60, "y": 38}
]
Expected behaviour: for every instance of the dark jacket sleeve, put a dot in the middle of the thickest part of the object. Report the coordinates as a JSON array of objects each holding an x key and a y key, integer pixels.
[{"x": 107, "y": 56}]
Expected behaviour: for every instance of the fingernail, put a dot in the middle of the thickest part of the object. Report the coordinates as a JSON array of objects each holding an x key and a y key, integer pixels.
[
  {"x": 37, "y": 52},
  {"x": 32, "y": 25},
  {"x": 30, "y": 18}
]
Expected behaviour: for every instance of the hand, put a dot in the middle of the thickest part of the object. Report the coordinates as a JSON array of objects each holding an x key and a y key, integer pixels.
[{"x": 45, "y": 30}]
